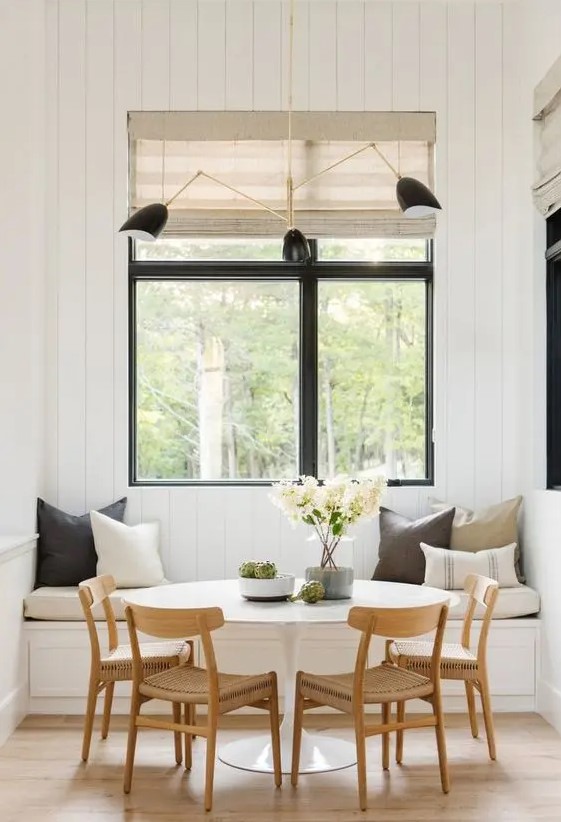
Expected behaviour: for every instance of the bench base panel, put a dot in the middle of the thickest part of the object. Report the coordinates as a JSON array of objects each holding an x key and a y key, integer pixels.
[{"x": 58, "y": 657}]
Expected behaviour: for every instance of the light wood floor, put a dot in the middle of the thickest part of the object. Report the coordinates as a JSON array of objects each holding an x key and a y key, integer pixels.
[{"x": 43, "y": 780}]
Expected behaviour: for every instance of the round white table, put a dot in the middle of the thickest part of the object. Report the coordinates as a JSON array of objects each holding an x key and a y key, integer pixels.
[{"x": 319, "y": 752}]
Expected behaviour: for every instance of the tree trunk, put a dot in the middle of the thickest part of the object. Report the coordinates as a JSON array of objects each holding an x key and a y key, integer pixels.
[
  {"x": 361, "y": 433},
  {"x": 329, "y": 422},
  {"x": 296, "y": 418},
  {"x": 389, "y": 439},
  {"x": 230, "y": 432},
  {"x": 211, "y": 405}
]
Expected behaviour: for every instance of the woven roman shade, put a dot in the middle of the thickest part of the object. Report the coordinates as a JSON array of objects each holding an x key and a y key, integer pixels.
[
  {"x": 248, "y": 151},
  {"x": 547, "y": 113}
]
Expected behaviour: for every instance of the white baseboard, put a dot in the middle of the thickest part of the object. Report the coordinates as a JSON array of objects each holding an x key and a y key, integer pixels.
[
  {"x": 548, "y": 702},
  {"x": 13, "y": 708},
  {"x": 74, "y": 706}
]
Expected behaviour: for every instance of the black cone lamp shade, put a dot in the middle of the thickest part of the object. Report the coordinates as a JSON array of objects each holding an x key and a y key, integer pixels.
[
  {"x": 147, "y": 223},
  {"x": 415, "y": 199},
  {"x": 295, "y": 248}
]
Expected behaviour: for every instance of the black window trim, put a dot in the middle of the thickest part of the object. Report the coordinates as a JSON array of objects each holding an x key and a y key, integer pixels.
[
  {"x": 553, "y": 352},
  {"x": 308, "y": 275}
]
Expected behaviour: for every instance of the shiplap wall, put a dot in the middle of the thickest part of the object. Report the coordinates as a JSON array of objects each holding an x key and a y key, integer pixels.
[
  {"x": 109, "y": 56},
  {"x": 22, "y": 262}
]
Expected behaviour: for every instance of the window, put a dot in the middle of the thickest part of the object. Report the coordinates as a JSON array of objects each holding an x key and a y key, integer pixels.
[{"x": 246, "y": 370}]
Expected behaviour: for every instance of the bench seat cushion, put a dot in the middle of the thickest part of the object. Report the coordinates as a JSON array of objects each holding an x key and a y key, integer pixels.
[
  {"x": 63, "y": 604},
  {"x": 511, "y": 602}
]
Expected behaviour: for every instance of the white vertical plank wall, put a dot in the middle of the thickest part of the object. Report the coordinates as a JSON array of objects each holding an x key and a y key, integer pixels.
[
  {"x": 488, "y": 309},
  {"x": 112, "y": 57},
  {"x": 22, "y": 269},
  {"x": 72, "y": 315},
  {"x": 461, "y": 342},
  {"x": 99, "y": 249}
]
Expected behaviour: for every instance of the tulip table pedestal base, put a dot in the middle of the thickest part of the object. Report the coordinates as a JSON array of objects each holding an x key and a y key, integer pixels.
[{"x": 319, "y": 752}]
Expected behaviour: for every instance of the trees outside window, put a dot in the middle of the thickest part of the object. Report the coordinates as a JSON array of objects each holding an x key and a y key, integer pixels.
[{"x": 246, "y": 369}]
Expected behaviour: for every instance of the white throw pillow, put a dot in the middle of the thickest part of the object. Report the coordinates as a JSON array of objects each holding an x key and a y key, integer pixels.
[
  {"x": 448, "y": 569},
  {"x": 129, "y": 553}
]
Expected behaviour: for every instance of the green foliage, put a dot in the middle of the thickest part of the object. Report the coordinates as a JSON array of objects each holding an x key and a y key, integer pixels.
[{"x": 371, "y": 386}]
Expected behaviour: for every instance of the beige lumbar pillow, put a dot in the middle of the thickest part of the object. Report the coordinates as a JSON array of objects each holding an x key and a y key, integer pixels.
[
  {"x": 485, "y": 529},
  {"x": 448, "y": 569},
  {"x": 129, "y": 553}
]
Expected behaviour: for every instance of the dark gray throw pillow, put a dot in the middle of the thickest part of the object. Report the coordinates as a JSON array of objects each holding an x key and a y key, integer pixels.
[
  {"x": 400, "y": 558},
  {"x": 65, "y": 549}
]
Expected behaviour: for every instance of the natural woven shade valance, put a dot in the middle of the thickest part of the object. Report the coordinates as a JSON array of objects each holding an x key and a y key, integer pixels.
[
  {"x": 547, "y": 113},
  {"x": 248, "y": 151}
]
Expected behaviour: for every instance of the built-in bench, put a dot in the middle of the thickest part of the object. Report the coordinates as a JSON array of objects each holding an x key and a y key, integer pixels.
[{"x": 59, "y": 653}]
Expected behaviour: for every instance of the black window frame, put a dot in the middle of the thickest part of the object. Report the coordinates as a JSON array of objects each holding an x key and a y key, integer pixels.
[
  {"x": 553, "y": 351},
  {"x": 308, "y": 275}
]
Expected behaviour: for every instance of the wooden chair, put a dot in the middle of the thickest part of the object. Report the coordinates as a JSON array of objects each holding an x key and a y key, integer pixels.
[
  {"x": 458, "y": 661},
  {"x": 116, "y": 665},
  {"x": 190, "y": 686},
  {"x": 383, "y": 684}
]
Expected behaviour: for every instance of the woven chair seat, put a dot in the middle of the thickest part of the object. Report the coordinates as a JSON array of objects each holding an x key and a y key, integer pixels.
[
  {"x": 384, "y": 683},
  {"x": 188, "y": 683},
  {"x": 157, "y": 656},
  {"x": 457, "y": 662}
]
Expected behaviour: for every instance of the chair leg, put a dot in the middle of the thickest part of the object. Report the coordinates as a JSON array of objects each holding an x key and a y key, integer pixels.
[
  {"x": 441, "y": 741},
  {"x": 193, "y": 719},
  {"x": 210, "y": 757},
  {"x": 361, "y": 761},
  {"x": 488, "y": 716},
  {"x": 108, "y": 702},
  {"x": 131, "y": 743},
  {"x": 472, "y": 711},
  {"x": 399, "y": 734},
  {"x": 297, "y": 736},
  {"x": 176, "y": 708},
  {"x": 275, "y": 734},
  {"x": 89, "y": 718},
  {"x": 386, "y": 713},
  {"x": 188, "y": 713}
]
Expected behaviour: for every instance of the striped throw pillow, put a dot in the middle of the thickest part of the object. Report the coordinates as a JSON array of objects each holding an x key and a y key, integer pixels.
[{"x": 448, "y": 569}]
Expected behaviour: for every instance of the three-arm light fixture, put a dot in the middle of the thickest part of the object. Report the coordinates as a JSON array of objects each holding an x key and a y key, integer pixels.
[{"x": 413, "y": 196}]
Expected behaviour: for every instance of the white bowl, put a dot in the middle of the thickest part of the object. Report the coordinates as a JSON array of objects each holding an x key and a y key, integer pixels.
[{"x": 263, "y": 590}]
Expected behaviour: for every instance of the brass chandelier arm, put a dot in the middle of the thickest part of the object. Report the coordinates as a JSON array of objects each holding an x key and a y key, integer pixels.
[
  {"x": 386, "y": 161},
  {"x": 231, "y": 188},
  {"x": 182, "y": 189},
  {"x": 246, "y": 196},
  {"x": 344, "y": 160}
]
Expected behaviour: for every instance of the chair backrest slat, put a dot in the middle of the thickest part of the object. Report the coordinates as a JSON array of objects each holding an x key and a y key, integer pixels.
[
  {"x": 93, "y": 592},
  {"x": 481, "y": 591},
  {"x": 396, "y": 622},
  {"x": 172, "y": 623}
]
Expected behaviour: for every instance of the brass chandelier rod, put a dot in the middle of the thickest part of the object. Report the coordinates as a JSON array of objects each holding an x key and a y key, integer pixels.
[
  {"x": 230, "y": 188},
  {"x": 289, "y": 181},
  {"x": 344, "y": 160}
]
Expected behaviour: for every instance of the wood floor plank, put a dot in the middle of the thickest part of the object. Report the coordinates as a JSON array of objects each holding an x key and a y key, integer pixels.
[{"x": 43, "y": 780}]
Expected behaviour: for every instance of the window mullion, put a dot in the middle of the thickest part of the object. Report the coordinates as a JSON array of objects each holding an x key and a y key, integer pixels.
[{"x": 308, "y": 374}]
